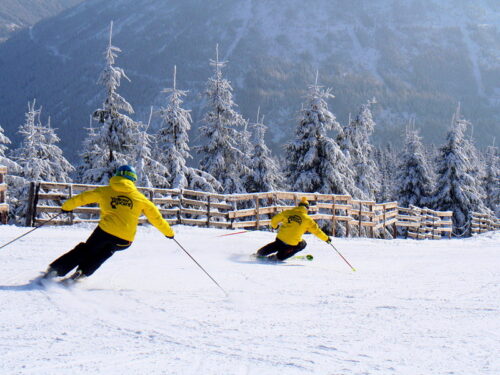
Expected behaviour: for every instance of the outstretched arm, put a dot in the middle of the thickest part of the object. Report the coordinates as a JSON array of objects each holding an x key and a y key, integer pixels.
[
  {"x": 154, "y": 216},
  {"x": 87, "y": 197},
  {"x": 316, "y": 230}
]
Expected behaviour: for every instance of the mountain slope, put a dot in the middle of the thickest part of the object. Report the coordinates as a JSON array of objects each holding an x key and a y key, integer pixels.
[
  {"x": 419, "y": 59},
  {"x": 18, "y": 14}
]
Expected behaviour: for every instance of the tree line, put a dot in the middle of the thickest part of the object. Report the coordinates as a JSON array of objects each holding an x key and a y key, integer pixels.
[{"x": 323, "y": 155}]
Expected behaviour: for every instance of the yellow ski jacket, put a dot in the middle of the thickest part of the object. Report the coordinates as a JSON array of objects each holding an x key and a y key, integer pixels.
[
  {"x": 121, "y": 205},
  {"x": 294, "y": 223}
]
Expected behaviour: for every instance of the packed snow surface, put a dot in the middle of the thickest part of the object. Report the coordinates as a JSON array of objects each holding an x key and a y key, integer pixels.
[{"x": 412, "y": 307}]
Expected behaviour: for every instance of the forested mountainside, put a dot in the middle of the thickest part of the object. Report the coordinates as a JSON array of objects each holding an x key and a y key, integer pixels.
[
  {"x": 18, "y": 14},
  {"x": 419, "y": 59}
]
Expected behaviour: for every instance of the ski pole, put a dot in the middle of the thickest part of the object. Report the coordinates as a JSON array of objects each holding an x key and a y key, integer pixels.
[
  {"x": 345, "y": 260},
  {"x": 198, "y": 264},
  {"x": 232, "y": 234},
  {"x": 35, "y": 228}
]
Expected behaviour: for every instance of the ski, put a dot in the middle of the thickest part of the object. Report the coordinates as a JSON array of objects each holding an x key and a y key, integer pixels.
[
  {"x": 45, "y": 281},
  {"x": 308, "y": 257},
  {"x": 272, "y": 259}
]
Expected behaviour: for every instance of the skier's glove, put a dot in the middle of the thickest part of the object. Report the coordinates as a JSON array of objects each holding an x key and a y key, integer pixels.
[
  {"x": 329, "y": 240},
  {"x": 170, "y": 237},
  {"x": 66, "y": 211}
]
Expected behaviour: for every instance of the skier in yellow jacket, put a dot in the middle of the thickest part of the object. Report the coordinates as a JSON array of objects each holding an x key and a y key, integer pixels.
[
  {"x": 121, "y": 205},
  {"x": 294, "y": 223}
]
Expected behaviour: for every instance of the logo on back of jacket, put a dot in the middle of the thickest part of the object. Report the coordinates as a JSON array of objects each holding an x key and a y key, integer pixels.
[
  {"x": 295, "y": 218},
  {"x": 121, "y": 200}
]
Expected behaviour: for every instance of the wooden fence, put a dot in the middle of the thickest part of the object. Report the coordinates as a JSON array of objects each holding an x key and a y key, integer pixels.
[
  {"x": 483, "y": 223},
  {"x": 4, "y": 207},
  {"x": 423, "y": 223},
  {"x": 251, "y": 210}
]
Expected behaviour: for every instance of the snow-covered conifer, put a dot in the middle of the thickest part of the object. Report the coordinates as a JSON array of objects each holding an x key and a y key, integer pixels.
[
  {"x": 265, "y": 171},
  {"x": 492, "y": 180},
  {"x": 4, "y": 141},
  {"x": 39, "y": 158},
  {"x": 38, "y": 155},
  {"x": 222, "y": 155},
  {"x": 476, "y": 165},
  {"x": 386, "y": 159},
  {"x": 14, "y": 182},
  {"x": 172, "y": 145},
  {"x": 355, "y": 143},
  {"x": 12, "y": 166},
  {"x": 414, "y": 183},
  {"x": 315, "y": 162},
  {"x": 117, "y": 136},
  {"x": 456, "y": 188},
  {"x": 93, "y": 160},
  {"x": 172, "y": 149},
  {"x": 150, "y": 172}
]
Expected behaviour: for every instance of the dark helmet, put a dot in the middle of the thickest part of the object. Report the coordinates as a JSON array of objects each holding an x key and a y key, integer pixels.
[{"x": 128, "y": 172}]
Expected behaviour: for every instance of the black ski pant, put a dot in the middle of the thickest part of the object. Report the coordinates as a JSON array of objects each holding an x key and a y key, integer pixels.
[
  {"x": 90, "y": 255},
  {"x": 283, "y": 251}
]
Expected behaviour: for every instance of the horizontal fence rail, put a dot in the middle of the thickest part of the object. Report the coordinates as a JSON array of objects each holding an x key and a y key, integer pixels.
[
  {"x": 482, "y": 223},
  {"x": 4, "y": 207},
  {"x": 253, "y": 211}
]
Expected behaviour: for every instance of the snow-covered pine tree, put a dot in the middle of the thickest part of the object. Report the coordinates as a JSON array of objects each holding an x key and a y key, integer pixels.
[
  {"x": 492, "y": 180},
  {"x": 117, "y": 136},
  {"x": 39, "y": 157},
  {"x": 477, "y": 162},
  {"x": 5, "y": 161},
  {"x": 172, "y": 139},
  {"x": 314, "y": 161},
  {"x": 13, "y": 180},
  {"x": 38, "y": 154},
  {"x": 265, "y": 171},
  {"x": 414, "y": 184},
  {"x": 150, "y": 172},
  {"x": 61, "y": 167},
  {"x": 222, "y": 155},
  {"x": 4, "y": 141},
  {"x": 91, "y": 158},
  {"x": 355, "y": 143},
  {"x": 386, "y": 159},
  {"x": 172, "y": 145},
  {"x": 456, "y": 189}
]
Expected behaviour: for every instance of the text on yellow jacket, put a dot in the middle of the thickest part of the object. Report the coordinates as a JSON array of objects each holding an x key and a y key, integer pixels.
[
  {"x": 294, "y": 223},
  {"x": 121, "y": 204}
]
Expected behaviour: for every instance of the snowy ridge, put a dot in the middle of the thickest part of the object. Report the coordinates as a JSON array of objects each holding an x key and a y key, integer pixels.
[{"x": 413, "y": 307}]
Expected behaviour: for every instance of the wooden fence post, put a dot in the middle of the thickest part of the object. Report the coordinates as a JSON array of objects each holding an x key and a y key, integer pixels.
[
  {"x": 360, "y": 209},
  {"x": 372, "y": 220},
  {"x": 181, "y": 195},
  {"x": 257, "y": 208},
  {"x": 384, "y": 218},
  {"x": 208, "y": 211},
  {"x": 70, "y": 193},
  {"x": 394, "y": 225},
  {"x": 334, "y": 219},
  {"x": 29, "y": 208},
  {"x": 348, "y": 222}
]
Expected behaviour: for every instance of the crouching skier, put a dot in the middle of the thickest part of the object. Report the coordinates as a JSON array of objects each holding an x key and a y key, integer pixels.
[
  {"x": 121, "y": 204},
  {"x": 294, "y": 223}
]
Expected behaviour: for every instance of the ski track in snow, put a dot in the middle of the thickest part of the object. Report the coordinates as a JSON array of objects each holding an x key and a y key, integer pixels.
[{"x": 413, "y": 307}]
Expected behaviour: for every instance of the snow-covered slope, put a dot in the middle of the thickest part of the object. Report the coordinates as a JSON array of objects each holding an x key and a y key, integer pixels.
[
  {"x": 412, "y": 307},
  {"x": 417, "y": 58}
]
